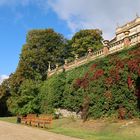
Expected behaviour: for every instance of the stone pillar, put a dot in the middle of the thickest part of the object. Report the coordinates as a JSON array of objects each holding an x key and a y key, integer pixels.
[
  {"x": 76, "y": 58},
  {"x": 56, "y": 67},
  {"x": 66, "y": 61},
  {"x": 126, "y": 39},
  {"x": 90, "y": 52},
  {"x": 49, "y": 67},
  {"x": 65, "y": 65},
  {"x": 106, "y": 47}
]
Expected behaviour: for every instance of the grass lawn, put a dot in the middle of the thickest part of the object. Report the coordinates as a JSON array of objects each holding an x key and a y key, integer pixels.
[
  {"x": 9, "y": 119},
  {"x": 94, "y": 129},
  {"x": 98, "y": 129}
]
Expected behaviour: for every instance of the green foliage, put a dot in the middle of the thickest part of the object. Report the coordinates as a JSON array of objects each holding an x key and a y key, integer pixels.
[
  {"x": 41, "y": 46},
  {"x": 4, "y": 94},
  {"x": 85, "y": 39},
  {"x": 52, "y": 93},
  {"x": 105, "y": 87},
  {"x": 109, "y": 83},
  {"x": 27, "y": 100}
]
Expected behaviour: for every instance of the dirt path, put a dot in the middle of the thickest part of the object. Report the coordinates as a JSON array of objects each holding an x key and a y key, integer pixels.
[{"x": 9, "y": 131}]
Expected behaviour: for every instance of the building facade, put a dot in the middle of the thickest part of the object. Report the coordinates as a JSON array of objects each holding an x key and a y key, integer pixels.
[{"x": 126, "y": 35}]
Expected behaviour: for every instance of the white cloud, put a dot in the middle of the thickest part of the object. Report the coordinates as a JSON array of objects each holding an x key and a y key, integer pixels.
[
  {"x": 81, "y": 14},
  {"x": 102, "y": 14},
  {"x": 3, "y": 77}
]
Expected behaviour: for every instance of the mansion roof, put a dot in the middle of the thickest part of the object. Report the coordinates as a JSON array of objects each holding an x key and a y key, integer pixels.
[{"x": 128, "y": 26}]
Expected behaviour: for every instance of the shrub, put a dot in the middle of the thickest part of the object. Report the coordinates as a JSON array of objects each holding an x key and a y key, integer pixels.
[{"x": 108, "y": 83}]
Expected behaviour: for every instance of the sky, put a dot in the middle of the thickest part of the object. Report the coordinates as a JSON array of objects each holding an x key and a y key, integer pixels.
[{"x": 17, "y": 17}]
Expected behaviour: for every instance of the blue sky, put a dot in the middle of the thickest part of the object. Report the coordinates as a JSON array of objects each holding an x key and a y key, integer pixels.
[
  {"x": 15, "y": 22},
  {"x": 17, "y": 17}
]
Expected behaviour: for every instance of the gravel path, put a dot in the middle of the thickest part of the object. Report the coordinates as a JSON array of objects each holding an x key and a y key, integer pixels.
[{"x": 9, "y": 131}]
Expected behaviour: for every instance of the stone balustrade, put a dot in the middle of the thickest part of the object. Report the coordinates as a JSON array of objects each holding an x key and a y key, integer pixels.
[{"x": 108, "y": 48}]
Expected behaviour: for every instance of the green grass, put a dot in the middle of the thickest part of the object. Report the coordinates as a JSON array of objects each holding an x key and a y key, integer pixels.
[
  {"x": 94, "y": 129},
  {"x": 8, "y": 119},
  {"x": 100, "y": 131}
]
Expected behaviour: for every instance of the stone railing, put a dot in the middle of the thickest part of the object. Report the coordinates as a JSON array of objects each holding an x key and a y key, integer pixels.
[
  {"x": 107, "y": 49},
  {"x": 119, "y": 45}
]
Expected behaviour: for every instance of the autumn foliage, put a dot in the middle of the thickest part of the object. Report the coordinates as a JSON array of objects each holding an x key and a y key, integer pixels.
[{"x": 113, "y": 84}]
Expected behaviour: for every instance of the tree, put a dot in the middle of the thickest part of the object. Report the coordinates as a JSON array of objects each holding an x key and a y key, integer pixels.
[
  {"x": 26, "y": 100},
  {"x": 41, "y": 47},
  {"x": 67, "y": 53},
  {"x": 86, "y": 39},
  {"x": 4, "y": 95}
]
